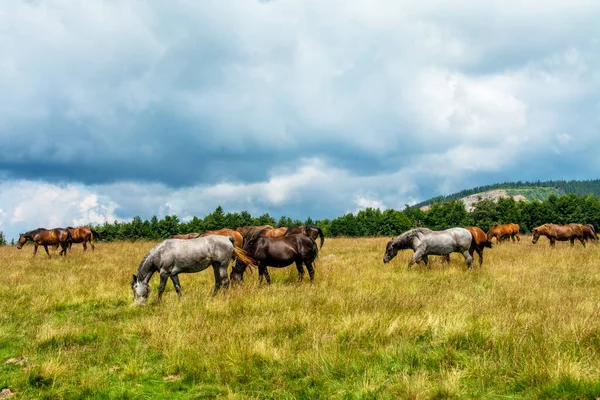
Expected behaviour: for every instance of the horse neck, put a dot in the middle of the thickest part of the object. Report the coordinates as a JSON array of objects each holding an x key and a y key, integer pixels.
[
  {"x": 404, "y": 242},
  {"x": 145, "y": 270}
]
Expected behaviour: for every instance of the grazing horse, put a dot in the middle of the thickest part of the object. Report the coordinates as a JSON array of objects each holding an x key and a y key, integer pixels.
[
  {"x": 589, "y": 232},
  {"x": 172, "y": 257},
  {"x": 424, "y": 242},
  {"x": 83, "y": 235},
  {"x": 480, "y": 244},
  {"x": 45, "y": 237},
  {"x": 559, "y": 232},
  {"x": 278, "y": 253},
  {"x": 312, "y": 231},
  {"x": 184, "y": 236},
  {"x": 501, "y": 232},
  {"x": 238, "y": 239},
  {"x": 249, "y": 232}
]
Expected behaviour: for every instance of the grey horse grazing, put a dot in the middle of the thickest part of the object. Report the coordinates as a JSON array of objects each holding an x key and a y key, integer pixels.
[
  {"x": 424, "y": 242},
  {"x": 174, "y": 256}
]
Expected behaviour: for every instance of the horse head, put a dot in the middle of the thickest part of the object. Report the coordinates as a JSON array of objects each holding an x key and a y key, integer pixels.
[
  {"x": 141, "y": 290},
  {"x": 536, "y": 235},
  {"x": 22, "y": 240},
  {"x": 390, "y": 251}
]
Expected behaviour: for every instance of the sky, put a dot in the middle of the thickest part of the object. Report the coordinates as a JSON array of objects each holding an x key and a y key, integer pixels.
[{"x": 110, "y": 110}]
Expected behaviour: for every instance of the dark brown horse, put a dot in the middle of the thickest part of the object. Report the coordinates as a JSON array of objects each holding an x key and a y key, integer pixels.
[
  {"x": 184, "y": 236},
  {"x": 589, "y": 232},
  {"x": 238, "y": 239},
  {"x": 480, "y": 243},
  {"x": 83, "y": 235},
  {"x": 506, "y": 231},
  {"x": 45, "y": 237},
  {"x": 311, "y": 231},
  {"x": 562, "y": 233},
  {"x": 278, "y": 253}
]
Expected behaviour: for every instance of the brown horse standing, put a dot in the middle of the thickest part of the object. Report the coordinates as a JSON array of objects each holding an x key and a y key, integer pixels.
[
  {"x": 312, "y": 231},
  {"x": 45, "y": 237},
  {"x": 279, "y": 253},
  {"x": 558, "y": 232},
  {"x": 238, "y": 239},
  {"x": 480, "y": 243},
  {"x": 185, "y": 236},
  {"x": 589, "y": 232},
  {"x": 505, "y": 231},
  {"x": 83, "y": 235}
]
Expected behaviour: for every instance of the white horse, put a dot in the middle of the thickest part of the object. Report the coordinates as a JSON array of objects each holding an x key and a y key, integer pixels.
[
  {"x": 174, "y": 256},
  {"x": 424, "y": 242}
]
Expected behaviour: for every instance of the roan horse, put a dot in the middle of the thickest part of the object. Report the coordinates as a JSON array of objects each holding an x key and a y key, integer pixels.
[
  {"x": 559, "y": 232},
  {"x": 506, "y": 231},
  {"x": 481, "y": 243},
  {"x": 312, "y": 231},
  {"x": 278, "y": 253},
  {"x": 172, "y": 257},
  {"x": 45, "y": 237},
  {"x": 424, "y": 242}
]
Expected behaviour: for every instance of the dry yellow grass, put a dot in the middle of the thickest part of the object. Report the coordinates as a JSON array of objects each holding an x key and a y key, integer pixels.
[{"x": 526, "y": 325}]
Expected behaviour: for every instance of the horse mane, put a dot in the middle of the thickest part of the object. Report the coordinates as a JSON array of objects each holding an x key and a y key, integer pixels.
[
  {"x": 408, "y": 236},
  {"x": 31, "y": 233}
]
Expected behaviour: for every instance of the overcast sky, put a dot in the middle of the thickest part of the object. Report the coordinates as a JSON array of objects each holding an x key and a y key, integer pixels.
[{"x": 301, "y": 108}]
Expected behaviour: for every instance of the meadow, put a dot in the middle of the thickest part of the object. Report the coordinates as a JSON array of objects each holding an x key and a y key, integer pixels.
[{"x": 525, "y": 325}]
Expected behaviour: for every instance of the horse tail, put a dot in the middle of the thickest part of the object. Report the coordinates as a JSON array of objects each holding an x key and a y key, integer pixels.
[
  {"x": 315, "y": 251},
  {"x": 95, "y": 233},
  {"x": 321, "y": 236},
  {"x": 243, "y": 257},
  {"x": 473, "y": 245}
]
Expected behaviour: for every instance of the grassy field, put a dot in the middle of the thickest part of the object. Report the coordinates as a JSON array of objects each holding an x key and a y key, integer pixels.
[{"x": 526, "y": 325}]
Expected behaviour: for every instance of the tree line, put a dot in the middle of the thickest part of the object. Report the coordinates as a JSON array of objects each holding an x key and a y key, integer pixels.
[{"x": 375, "y": 222}]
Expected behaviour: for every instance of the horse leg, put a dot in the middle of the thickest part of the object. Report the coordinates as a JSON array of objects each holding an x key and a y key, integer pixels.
[
  {"x": 161, "y": 286},
  {"x": 63, "y": 252},
  {"x": 175, "y": 280},
  {"x": 468, "y": 258},
  {"x": 35, "y": 246},
  {"x": 552, "y": 242},
  {"x": 221, "y": 279},
  {"x": 84, "y": 246},
  {"x": 418, "y": 254},
  {"x": 300, "y": 270},
  {"x": 581, "y": 240},
  {"x": 572, "y": 240},
  {"x": 46, "y": 248},
  {"x": 446, "y": 258},
  {"x": 92, "y": 242},
  {"x": 311, "y": 271},
  {"x": 480, "y": 254},
  {"x": 265, "y": 273},
  {"x": 426, "y": 260}
]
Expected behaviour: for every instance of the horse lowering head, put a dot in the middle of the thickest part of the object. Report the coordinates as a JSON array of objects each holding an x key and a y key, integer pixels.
[
  {"x": 537, "y": 232},
  {"x": 141, "y": 290},
  {"x": 390, "y": 252},
  {"x": 22, "y": 240}
]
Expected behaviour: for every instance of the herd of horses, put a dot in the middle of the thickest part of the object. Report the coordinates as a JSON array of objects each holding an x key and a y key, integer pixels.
[
  {"x": 58, "y": 237},
  {"x": 266, "y": 246}
]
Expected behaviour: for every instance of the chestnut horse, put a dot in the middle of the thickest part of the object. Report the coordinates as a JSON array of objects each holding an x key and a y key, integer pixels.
[
  {"x": 249, "y": 231},
  {"x": 312, "y": 231},
  {"x": 184, "y": 236},
  {"x": 558, "y": 232},
  {"x": 478, "y": 246},
  {"x": 238, "y": 239},
  {"x": 589, "y": 232},
  {"x": 501, "y": 232},
  {"x": 273, "y": 232},
  {"x": 45, "y": 237},
  {"x": 83, "y": 235}
]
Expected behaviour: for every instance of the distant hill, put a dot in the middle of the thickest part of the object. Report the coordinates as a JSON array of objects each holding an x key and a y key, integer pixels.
[{"x": 520, "y": 191}]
